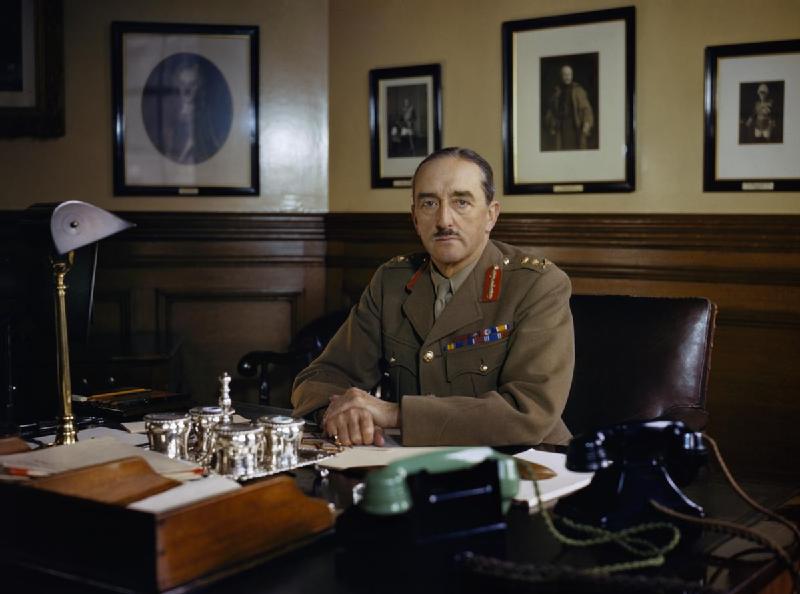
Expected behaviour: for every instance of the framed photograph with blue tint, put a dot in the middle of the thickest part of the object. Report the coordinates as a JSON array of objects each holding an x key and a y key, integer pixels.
[{"x": 185, "y": 109}]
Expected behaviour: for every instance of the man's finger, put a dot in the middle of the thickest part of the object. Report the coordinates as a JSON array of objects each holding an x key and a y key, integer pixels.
[
  {"x": 342, "y": 431},
  {"x": 354, "y": 427},
  {"x": 367, "y": 427},
  {"x": 378, "y": 439}
]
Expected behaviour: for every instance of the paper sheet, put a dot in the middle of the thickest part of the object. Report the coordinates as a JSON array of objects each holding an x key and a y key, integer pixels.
[
  {"x": 563, "y": 483},
  {"x": 364, "y": 456},
  {"x": 95, "y": 432},
  {"x": 93, "y": 451},
  {"x": 186, "y": 493}
]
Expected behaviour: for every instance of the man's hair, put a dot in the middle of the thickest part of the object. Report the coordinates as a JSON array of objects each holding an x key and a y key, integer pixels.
[{"x": 468, "y": 155}]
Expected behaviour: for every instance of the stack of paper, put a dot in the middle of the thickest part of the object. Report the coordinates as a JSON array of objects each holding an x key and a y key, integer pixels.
[
  {"x": 55, "y": 459},
  {"x": 564, "y": 482},
  {"x": 185, "y": 494}
]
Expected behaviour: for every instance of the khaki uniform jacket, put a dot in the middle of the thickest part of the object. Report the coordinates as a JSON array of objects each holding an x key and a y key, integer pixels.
[{"x": 511, "y": 390}]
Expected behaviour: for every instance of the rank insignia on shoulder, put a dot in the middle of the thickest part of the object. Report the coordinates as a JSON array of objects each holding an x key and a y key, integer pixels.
[{"x": 532, "y": 263}]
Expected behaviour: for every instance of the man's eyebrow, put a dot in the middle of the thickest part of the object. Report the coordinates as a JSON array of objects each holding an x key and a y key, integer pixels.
[
  {"x": 462, "y": 194},
  {"x": 427, "y": 195}
]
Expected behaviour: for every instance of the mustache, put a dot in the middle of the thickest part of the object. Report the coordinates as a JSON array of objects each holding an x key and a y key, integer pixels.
[{"x": 446, "y": 233}]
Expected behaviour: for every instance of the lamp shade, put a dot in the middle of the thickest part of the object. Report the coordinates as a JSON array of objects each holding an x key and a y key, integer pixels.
[{"x": 75, "y": 224}]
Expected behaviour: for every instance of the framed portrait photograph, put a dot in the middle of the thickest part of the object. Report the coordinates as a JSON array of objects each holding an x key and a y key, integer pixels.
[
  {"x": 752, "y": 117},
  {"x": 31, "y": 69},
  {"x": 405, "y": 121},
  {"x": 185, "y": 109},
  {"x": 568, "y": 103}
]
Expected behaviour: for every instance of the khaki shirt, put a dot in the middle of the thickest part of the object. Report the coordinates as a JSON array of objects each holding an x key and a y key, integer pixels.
[{"x": 454, "y": 386}]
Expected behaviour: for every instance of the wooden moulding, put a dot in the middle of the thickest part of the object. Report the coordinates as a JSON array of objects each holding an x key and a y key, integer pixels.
[
  {"x": 119, "y": 482},
  {"x": 130, "y": 550}
]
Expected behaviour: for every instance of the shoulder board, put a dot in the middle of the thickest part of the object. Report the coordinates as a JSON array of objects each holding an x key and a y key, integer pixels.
[
  {"x": 406, "y": 261},
  {"x": 527, "y": 262}
]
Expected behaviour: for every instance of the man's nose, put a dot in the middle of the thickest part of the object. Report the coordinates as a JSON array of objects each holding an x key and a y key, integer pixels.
[{"x": 444, "y": 215}]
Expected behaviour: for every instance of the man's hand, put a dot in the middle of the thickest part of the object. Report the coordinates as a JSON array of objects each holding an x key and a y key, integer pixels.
[
  {"x": 353, "y": 427},
  {"x": 357, "y": 417}
]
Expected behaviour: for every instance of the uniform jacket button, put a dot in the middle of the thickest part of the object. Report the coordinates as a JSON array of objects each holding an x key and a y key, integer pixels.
[
  {"x": 484, "y": 368},
  {"x": 428, "y": 356}
]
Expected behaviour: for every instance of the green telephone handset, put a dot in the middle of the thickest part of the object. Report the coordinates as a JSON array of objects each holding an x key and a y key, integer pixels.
[{"x": 386, "y": 491}]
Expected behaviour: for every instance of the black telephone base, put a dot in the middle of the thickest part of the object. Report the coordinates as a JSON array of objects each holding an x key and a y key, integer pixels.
[{"x": 619, "y": 498}]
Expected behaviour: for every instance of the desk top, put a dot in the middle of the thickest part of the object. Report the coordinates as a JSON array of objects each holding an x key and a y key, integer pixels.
[{"x": 712, "y": 563}]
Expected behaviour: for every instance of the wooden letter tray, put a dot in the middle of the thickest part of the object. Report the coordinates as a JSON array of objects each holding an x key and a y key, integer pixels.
[{"x": 138, "y": 551}]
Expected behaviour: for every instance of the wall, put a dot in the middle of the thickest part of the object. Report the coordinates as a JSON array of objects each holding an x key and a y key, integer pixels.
[
  {"x": 464, "y": 36},
  {"x": 293, "y": 109}
]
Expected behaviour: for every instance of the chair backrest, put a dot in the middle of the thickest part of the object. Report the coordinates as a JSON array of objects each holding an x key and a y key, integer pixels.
[{"x": 639, "y": 358}]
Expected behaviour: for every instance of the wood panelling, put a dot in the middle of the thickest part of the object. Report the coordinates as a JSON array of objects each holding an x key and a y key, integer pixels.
[
  {"x": 230, "y": 283},
  {"x": 217, "y": 327},
  {"x": 222, "y": 284}
]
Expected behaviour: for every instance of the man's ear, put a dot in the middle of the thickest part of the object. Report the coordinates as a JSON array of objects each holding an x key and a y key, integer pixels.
[
  {"x": 492, "y": 215},
  {"x": 414, "y": 218}
]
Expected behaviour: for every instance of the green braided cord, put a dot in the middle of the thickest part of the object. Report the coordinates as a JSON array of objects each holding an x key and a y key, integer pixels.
[{"x": 653, "y": 556}]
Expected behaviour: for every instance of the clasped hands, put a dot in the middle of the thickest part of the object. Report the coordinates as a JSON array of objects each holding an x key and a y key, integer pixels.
[{"x": 358, "y": 418}]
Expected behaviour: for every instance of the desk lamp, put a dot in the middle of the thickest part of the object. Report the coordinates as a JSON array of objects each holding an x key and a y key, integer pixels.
[{"x": 73, "y": 224}]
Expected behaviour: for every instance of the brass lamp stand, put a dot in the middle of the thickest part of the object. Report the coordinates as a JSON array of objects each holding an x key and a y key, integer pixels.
[
  {"x": 72, "y": 224},
  {"x": 65, "y": 433}
]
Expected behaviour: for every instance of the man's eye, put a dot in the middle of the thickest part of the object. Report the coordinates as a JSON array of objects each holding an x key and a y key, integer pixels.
[
  {"x": 461, "y": 203},
  {"x": 429, "y": 204}
]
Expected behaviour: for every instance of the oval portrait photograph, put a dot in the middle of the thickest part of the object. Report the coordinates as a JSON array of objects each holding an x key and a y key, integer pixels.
[{"x": 187, "y": 108}]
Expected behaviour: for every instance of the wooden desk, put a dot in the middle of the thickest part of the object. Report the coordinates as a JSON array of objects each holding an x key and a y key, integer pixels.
[{"x": 710, "y": 562}]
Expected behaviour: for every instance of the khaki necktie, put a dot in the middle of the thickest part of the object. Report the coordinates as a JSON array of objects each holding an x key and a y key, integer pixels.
[{"x": 443, "y": 294}]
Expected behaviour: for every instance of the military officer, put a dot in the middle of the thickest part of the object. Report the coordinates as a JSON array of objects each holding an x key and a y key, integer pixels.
[{"x": 473, "y": 340}]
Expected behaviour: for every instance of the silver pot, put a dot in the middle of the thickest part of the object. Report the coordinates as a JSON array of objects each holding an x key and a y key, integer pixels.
[
  {"x": 282, "y": 437},
  {"x": 237, "y": 449},
  {"x": 204, "y": 419},
  {"x": 168, "y": 433}
]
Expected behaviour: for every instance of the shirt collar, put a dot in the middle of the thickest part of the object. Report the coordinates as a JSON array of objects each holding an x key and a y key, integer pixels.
[{"x": 456, "y": 280}]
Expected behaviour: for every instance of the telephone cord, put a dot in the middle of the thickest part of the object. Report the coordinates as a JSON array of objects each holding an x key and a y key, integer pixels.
[
  {"x": 741, "y": 493},
  {"x": 652, "y": 554},
  {"x": 735, "y": 529}
]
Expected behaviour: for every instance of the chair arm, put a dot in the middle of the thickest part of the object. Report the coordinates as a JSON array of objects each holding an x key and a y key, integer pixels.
[{"x": 249, "y": 364}]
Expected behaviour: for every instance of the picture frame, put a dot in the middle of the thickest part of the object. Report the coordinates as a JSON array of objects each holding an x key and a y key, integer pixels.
[
  {"x": 185, "y": 109},
  {"x": 752, "y": 117},
  {"x": 32, "y": 69},
  {"x": 405, "y": 121},
  {"x": 581, "y": 64}
]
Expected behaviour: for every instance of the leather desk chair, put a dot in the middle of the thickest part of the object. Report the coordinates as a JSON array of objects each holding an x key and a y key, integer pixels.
[
  {"x": 306, "y": 346},
  {"x": 639, "y": 358}
]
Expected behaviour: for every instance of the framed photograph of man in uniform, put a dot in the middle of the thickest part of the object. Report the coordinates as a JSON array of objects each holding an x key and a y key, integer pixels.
[
  {"x": 405, "y": 120},
  {"x": 752, "y": 117},
  {"x": 568, "y": 94},
  {"x": 185, "y": 108}
]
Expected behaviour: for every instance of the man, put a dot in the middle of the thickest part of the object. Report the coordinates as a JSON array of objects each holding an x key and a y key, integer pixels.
[
  {"x": 473, "y": 340},
  {"x": 569, "y": 118},
  {"x": 761, "y": 123}
]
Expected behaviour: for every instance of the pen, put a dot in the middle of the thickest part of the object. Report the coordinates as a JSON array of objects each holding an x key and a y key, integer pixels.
[{"x": 29, "y": 472}]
